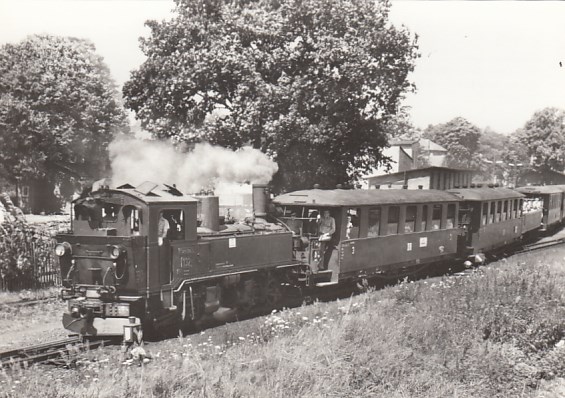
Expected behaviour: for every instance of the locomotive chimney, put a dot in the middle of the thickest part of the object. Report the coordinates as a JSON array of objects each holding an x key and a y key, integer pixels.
[
  {"x": 260, "y": 200},
  {"x": 210, "y": 212}
]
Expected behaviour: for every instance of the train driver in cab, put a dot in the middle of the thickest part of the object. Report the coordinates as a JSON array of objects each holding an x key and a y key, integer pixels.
[
  {"x": 326, "y": 228},
  {"x": 163, "y": 228}
]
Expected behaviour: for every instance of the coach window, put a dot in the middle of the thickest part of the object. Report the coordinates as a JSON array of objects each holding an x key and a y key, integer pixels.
[
  {"x": 450, "y": 216},
  {"x": 374, "y": 221},
  {"x": 485, "y": 213},
  {"x": 505, "y": 211},
  {"x": 436, "y": 217},
  {"x": 492, "y": 212},
  {"x": 410, "y": 221},
  {"x": 498, "y": 211},
  {"x": 424, "y": 225},
  {"x": 352, "y": 225},
  {"x": 393, "y": 218}
]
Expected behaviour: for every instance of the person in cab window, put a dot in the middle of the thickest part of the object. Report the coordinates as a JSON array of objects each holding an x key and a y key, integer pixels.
[
  {"x": 163, "y": 228},
  {"x": 326, "y": 229}
]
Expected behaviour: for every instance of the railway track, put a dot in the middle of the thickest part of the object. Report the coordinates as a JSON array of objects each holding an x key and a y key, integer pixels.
[
  {"x": 52, "y": 351},
  {"x": 540, "y": 245},
  {"x": 28, "y": 303}
]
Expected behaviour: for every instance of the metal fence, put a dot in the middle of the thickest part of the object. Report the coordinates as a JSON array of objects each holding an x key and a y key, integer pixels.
[{"x": 37, "y": 267}]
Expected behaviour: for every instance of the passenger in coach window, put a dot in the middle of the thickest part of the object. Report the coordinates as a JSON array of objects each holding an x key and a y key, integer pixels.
[
  {"x": 326, "y": 227},
  {"x": 348, "y": 227}
]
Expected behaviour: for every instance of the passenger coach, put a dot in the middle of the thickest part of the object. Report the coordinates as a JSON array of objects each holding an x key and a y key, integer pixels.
[
  {"x": 547, "y": 199},
  {"x": 377, "y": 231},
  {"x": 492, "y": 218}
]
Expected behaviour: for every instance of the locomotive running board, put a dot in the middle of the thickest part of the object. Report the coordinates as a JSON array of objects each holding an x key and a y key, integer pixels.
[
  {"x": 324, "y": 284},
  {"x": 212, "y": 277}
]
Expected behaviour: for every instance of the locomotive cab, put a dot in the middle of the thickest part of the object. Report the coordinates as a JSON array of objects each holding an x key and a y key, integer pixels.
[{"x": 113, "y": 264}]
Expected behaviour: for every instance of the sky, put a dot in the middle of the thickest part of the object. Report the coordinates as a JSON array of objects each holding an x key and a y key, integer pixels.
[{"x": 494, "y": 63}]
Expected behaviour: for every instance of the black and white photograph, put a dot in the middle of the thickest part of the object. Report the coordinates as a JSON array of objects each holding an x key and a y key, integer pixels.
[{"x": 282, "y": 198}]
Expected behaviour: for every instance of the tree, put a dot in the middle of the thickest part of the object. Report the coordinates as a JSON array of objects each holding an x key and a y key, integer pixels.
[
  {"x": 492, "y": 151},
  {"x": 309, "y": 82},
  {"x": 543, "y": 136},
  {"x": 59, "y": 109},
  {"x": 460, "y": 138}
]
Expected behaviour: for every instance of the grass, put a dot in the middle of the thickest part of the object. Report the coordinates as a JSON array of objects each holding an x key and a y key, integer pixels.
[
  {"x": 28, "y": 295},
  {"x": 496, "y": 333}
]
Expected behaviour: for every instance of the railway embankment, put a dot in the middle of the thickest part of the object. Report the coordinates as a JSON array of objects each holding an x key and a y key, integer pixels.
[{"x": 499, "y": 332}]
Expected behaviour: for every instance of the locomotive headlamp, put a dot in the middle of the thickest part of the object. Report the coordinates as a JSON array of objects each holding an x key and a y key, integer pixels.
[
  {"x": 116, "y": 251},
  {"x": 62, "y": 248}
]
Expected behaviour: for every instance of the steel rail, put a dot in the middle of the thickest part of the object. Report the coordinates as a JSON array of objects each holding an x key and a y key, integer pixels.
[{"x": 43, "y": 352}]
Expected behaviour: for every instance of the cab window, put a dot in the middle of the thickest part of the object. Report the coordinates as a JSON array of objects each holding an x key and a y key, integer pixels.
[
  {"x": 132, "y": 216},
  {"x": 110, "y": 212},
  {"x": 171, "y": 224}
]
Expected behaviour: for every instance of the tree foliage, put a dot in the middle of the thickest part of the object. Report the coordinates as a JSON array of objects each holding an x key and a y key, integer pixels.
[
  {"x": 59, "y": 109},
  {"x": 543, "y": 136},
  {"x": 310, "y": 82},
  {"x": 460, "y": 138}
]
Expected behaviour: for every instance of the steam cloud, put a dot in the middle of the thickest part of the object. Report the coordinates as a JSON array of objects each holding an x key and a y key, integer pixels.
[{"x": 135, "y": 161}]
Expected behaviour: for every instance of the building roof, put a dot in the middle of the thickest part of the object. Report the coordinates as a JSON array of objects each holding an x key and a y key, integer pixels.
[
  {"x": 416, "y": 171},
  {"x": 428, "y": 145},
  {"x": 484, "y": 194},
  {"x": 402, "y": 142},
  {"x": 362, "y": 197}
]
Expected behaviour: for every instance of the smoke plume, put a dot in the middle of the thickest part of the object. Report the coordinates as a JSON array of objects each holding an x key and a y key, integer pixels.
[{"x": 135, "y": 161}]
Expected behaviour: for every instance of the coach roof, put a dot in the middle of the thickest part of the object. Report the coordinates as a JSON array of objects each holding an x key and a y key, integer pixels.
[
  {"x": 362, "y": 197},
  {"x": 484, "y": 194},
  {"x": 541, "y": 190}
]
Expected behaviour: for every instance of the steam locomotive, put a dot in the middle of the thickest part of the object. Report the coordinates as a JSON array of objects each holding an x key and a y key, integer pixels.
[{"x": 150, "y": 257}]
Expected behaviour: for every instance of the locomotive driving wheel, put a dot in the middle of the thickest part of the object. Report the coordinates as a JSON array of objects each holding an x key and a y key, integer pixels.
[{"x": 273, "y": 294}]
